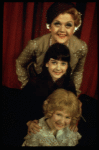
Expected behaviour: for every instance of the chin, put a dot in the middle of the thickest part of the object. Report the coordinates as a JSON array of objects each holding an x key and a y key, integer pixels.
[
  {"x": 61, "y": 41},
  {"x": 59, "y": 127}
]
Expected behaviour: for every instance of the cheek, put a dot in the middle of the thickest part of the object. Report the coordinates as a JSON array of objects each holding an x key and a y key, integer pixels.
[
  {"x": 53, "y": 30},
  {"x": 68, "y": 121},
  {"x": 71, "y": 31},
  {"x": 65, "y": 69},
  {"x": 55, "y": 118},
  {"x": 51, "y": 67}
]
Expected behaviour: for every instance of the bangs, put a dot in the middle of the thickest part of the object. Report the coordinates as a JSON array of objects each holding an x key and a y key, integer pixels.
[
  {"x": 61, "y": 57},
  {"x": 57, "y": 51}
]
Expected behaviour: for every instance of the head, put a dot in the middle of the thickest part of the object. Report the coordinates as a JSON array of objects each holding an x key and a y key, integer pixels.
[
  {"x": 63, "y": 20},
  {"x": 62, "y": 108},
  {"x": 57, "y": 61}
]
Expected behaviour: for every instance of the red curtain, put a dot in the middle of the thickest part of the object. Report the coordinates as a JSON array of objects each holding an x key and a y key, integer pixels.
[
  {"x": 89, "y": 35},
  {"x": 24, "y": 21}
]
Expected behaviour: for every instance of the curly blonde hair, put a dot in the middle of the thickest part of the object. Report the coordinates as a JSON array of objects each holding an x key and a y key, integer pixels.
[{"x": 62, "y": 99}]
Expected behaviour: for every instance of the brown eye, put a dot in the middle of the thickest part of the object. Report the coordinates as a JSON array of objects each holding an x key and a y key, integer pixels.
[
  {"x": 67, "y": 117},
  {"x": 69, "y": 25},
  {"x": 58, "y": 114},
  {"x": 57, "y": 24}
]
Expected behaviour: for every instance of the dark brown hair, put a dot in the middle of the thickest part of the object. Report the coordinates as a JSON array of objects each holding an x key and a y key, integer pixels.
[{"x": 58, "y": 8}]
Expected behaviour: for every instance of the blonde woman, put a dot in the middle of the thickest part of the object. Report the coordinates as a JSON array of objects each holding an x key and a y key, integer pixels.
[{"x": 61, "y": 109}]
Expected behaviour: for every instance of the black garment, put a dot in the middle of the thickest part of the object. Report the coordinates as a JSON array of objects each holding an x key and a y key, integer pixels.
[
  {"x": 38, "y": 89},
  {"x": 88, "y": 129},
  {"x": 28, "y": 104}
]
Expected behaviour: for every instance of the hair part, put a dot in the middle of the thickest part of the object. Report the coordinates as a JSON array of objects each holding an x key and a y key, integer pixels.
[{"x": 62, "y": 99}]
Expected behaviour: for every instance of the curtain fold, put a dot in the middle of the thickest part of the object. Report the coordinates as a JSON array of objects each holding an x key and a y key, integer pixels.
[
  {"x": 40, "y": 26},
  {"x": 12, "y": 35},
  {"x": 28, "y": 23},
  {"x": 89, "y": 35},
  {"x": 22, "y": 22},
  {"x": 88, "y": 20}
]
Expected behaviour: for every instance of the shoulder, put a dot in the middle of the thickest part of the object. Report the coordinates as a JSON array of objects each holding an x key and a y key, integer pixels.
[
  {"x": 78, "y": 44},
  {"x": 41, "y": 123},
  {"x": 76, "y": 41},
  {"x": 40, "y": 42},
  {"x": 71, "y": 138},
  {"x": 43, "y": 38},
  {"x": 73, "y": 135}
]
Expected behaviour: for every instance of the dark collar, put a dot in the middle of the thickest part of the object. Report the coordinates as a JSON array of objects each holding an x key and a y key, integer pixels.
[{"x": 59, "y": 83}]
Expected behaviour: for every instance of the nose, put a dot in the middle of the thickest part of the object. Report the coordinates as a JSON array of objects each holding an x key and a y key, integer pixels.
[
  {"x": 58, "y": 67},
  {"x": 62, "y": 28},
  {"x": 62, "y": 121}
]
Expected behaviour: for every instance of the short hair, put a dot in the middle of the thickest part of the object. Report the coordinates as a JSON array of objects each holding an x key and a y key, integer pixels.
[
  {"x": 57, "y": 51},
  {"x": 58, "y": 8},
  {"x": 62, "y": 99}
]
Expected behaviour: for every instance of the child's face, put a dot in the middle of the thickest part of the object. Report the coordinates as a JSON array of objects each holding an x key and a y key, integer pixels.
[
  {"x": 56, "y": 68},
  {"x": 59, "y": 120}
]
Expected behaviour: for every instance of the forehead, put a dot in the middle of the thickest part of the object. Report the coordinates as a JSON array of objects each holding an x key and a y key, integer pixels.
[{"x": 65, "y": 17}]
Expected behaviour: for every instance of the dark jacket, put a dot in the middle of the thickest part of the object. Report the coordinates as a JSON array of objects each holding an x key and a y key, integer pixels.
[{"x": 37, "y": 90}]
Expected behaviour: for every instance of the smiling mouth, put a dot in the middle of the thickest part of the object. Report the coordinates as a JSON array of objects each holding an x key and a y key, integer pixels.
[
  {"x": 62, "y": 35},
  {"x": 57, "y": 73},
  {"x": 59, "y": 125}
]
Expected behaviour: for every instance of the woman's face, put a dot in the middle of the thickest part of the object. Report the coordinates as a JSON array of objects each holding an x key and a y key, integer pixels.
[
  {"x": 56, "y": 68},
  {"x": 59, "y": 120},
  {"x": 62, "y": 28}
]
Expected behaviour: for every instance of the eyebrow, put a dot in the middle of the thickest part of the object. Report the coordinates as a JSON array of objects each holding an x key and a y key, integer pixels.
[
  {"x": 66, "y": 22},
  {"x": 52, "y": 59}
]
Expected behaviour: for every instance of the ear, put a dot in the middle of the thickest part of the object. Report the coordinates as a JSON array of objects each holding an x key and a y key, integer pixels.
[
  {"x": 46, "y": 65},
  {"x": 49, "y": 28}
]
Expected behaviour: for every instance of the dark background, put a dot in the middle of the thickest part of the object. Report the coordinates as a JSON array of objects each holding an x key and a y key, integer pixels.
[{"x": 23, "y": 21}]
